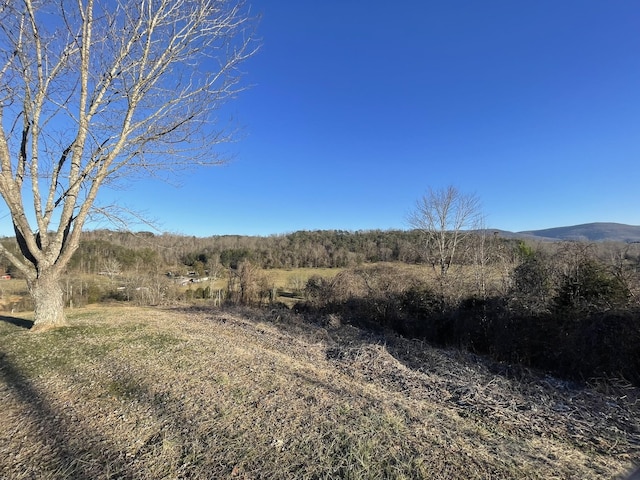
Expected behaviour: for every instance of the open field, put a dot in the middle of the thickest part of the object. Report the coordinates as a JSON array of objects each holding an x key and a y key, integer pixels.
[
  {"x": 286, "y": 278},
  {"x": 11, "y": 293},
  {"x": 168, "y": 393},
  {"x": 290, "y": 281}
]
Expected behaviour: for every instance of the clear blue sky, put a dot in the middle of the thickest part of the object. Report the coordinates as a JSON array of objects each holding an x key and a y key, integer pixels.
[{"x": 358, "y": 108}]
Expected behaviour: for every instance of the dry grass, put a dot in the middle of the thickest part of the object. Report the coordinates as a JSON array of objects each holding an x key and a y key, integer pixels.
[
  {"x": 11, "y": 293},
  {"x": 290, "y": 282},
  {"x": 285, "y": 278},
  {"x": 148, "y": 393}
]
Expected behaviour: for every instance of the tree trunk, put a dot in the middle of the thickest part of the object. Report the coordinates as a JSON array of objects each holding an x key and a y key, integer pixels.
[{"x": 49, "y": 303}]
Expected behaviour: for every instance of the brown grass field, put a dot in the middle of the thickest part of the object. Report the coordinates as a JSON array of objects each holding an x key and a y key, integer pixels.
[
  {"x": 143, "y": 393},
  {"x": 11, "y": 292}
]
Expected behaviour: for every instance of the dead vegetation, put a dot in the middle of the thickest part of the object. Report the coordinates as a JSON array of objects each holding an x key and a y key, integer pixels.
[{"x": 149, "y": 393}]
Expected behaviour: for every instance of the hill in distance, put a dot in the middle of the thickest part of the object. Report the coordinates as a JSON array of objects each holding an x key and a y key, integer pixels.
[{"x": 589, "y": 232}]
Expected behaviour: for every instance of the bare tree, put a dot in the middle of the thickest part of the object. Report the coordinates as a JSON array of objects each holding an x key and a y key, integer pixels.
[
  {"x": 445, "y": 217},
  {"x": 95, "y": 91},
  {"x": 110, "y": 267},
  {"x": 481, "y": 257}
]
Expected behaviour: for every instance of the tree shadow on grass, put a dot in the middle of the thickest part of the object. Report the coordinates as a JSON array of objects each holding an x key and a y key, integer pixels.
[
  {"x": 68, "y": 449},
  {"x": 18, "y": 322}
]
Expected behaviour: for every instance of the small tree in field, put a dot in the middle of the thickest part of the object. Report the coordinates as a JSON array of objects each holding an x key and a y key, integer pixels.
[
  {"x": 92, "y": 91},
  {"x": 445, "y": 218}
]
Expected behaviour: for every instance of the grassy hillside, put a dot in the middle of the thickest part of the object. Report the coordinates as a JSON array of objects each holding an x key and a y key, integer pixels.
[{"x": 151, "y": 393}]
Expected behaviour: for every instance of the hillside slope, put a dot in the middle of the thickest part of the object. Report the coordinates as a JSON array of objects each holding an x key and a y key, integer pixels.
[
  {"x": 149, "y": 393},
  {"x": 592, "y": 232}
]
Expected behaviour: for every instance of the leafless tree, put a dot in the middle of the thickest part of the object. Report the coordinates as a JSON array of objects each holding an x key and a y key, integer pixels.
[
  {"x": 111, "y": 267},
  {"x": 445, "y": 217},
  {"x": 482, "y": 253},
  {"x": 96, "y": 91}
]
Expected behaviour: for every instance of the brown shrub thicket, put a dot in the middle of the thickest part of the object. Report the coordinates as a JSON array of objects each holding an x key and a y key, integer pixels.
[{"x": 567, "y": 312}]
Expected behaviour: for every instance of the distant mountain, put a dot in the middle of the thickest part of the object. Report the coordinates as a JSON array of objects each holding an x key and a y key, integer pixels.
[{"x": 589, "y": 232}]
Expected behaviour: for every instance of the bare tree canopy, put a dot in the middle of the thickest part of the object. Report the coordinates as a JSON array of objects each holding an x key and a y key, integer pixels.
[
  {"x": 445, "y": 217},
  {"x": 92, "y": 91}
]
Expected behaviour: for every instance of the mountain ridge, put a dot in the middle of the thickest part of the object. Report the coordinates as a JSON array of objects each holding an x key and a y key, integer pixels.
[{"x": 590, "y": 232}]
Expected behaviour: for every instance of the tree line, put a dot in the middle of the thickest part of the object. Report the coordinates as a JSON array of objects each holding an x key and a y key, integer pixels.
[{"x": 177, "y": 253}]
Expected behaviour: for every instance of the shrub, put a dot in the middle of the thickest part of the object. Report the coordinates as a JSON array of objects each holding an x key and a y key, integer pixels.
[
  {"x": 94, "y": 293},
  {"x": 532, "y": 285},
  {"x": 589, "y": 289}
]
